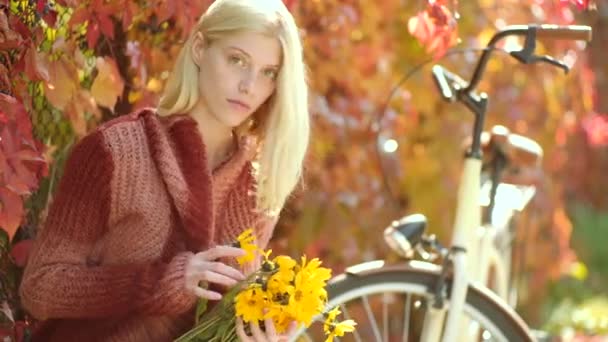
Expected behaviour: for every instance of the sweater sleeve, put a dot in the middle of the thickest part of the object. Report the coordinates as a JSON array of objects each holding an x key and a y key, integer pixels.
[{"x": 59, "y": 281}]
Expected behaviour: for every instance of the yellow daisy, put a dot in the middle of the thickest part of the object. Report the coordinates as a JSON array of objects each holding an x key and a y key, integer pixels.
[
  {"x": 338, "y": 329},
  {"x": 250, "y": 304},
  {"x": 246, "y": 241}
]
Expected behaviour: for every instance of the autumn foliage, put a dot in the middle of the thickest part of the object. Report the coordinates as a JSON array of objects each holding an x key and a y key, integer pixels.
[{"x": 67, "y": 65}]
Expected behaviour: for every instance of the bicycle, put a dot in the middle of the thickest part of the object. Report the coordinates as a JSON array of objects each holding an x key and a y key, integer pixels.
[{"x": 449, "y": 281}]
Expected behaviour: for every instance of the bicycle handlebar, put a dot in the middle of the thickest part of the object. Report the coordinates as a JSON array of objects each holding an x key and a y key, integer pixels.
[
  {"x": 454, "y": 88},
  {"x": 531, "y": 32},
  {"x": 565, "y": 32}
]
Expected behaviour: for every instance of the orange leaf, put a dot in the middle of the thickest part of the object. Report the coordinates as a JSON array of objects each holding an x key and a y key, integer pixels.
[
  {"x": 63, "y": 83},
  {"x": 108, "y": 85}
]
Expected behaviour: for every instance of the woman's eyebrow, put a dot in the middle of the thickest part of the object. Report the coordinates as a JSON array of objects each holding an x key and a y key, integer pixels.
[{"x": 248, "y": 55}]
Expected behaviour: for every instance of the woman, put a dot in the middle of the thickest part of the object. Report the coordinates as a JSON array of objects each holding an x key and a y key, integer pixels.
[{"x": 149, "y": 202}]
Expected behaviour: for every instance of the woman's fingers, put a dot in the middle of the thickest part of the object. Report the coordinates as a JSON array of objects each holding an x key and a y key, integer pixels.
[
  {"x": 221, "y": 252},
  {"x": 271, "y": 331},
  {"x": 216, "y": 278},
  {"x": 226, "y": 270},
  {"x": 200, "y": 292},
  {"x": 257, "y": 333},
  {"x": 240, "y": 331},
  {"x": 291, "y": 330}
]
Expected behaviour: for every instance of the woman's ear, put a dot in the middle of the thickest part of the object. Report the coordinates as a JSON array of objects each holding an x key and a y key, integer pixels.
[{"x": 198, "y": 48}]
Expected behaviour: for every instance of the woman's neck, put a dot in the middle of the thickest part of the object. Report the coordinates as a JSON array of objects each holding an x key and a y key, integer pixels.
[{"x": 218, "y": 138}]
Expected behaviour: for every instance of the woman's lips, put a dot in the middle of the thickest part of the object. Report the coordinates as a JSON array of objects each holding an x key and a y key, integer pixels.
[{"x": 242, "y": 106}]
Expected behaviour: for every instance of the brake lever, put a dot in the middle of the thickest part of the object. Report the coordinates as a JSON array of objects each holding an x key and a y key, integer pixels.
[{"x": 552, "y": 61}]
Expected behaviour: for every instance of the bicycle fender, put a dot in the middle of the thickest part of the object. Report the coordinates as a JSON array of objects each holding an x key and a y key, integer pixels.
[{"x": 375, "y": 266}]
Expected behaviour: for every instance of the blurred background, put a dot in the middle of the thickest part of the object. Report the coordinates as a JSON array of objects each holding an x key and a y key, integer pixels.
[{"x": 68, "y": 65}]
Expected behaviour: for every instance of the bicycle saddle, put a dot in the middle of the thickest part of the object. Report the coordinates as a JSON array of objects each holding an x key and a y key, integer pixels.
[
  {"x": 520, "y": 151},
  {"x": 523, "y": 154}
]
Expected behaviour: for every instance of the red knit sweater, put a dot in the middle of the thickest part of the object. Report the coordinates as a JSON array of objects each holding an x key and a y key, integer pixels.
[{"x": 136, "y": 200}]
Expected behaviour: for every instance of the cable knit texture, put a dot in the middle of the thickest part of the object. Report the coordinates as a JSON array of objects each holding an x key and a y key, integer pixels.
[{"x": 136, "y": 200}]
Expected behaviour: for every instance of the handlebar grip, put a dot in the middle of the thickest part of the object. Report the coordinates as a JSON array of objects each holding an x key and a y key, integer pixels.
[{"x": 566, "y": 32}]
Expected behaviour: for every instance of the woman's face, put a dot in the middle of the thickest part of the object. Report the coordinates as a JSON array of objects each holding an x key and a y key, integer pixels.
[{"x": 237, "y": 74}]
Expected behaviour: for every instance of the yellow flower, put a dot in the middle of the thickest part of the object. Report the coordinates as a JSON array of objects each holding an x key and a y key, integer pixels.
[
  {"x": 331, "y": 318},
  {"x": 309, "y": 293},
  {"x": 267, "y": 264},
  {"x": 279, "y": 316},
  {"x": 250, "y": 303},
  {"x": 281, "y": 281},
  {"x": 246, "y": 241},
  {"x": 286, "y": 267},
  {"x": 313, "y": 273},
  {"x": 338, "y": 330}
]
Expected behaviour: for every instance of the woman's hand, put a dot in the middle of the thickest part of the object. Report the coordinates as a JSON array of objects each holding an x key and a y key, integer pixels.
[
  {"x": 269, "y": 335},
  {"x": 203, "y": 267}
]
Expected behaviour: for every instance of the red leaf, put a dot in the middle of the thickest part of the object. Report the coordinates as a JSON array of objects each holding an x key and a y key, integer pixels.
[
  {"x": 92, "y": 34},
  {"x": 50, "y": 18},
  {"x": 9, "y": 39},
  {"x": 434, "y": 28},
  {"x": 40, "y": 4},
  {"x": 11, "y": 211},
  {"x": 36, "y": 68},
  {"x": 68, "y": 3},
  {"x": 165, "y": 10},
  {"x": 21, "y": 251},
  {"x": 79, "y": 16},
  {"x": 127, "y": 17},
  {"x": 106, "y": 25},
  {"x": 18, "y": 26},
  {"x": 5, "y": 82}
]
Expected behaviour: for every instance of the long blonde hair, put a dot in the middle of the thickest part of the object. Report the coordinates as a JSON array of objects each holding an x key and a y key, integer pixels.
[{"x": 282, "y": 125}]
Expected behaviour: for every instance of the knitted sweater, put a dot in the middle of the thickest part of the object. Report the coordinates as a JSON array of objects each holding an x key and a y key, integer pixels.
[{"x": 136, "y": 200}]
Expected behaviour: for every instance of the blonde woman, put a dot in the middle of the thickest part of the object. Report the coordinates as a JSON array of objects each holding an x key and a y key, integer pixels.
[{"x": 149, "y": 202}]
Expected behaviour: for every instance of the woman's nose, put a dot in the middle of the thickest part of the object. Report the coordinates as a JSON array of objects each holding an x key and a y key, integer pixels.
[{"x": 245, "y": 84}]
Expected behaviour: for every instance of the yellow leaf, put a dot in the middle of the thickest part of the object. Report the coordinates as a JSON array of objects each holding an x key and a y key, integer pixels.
[{"x": 108, "y": 84}]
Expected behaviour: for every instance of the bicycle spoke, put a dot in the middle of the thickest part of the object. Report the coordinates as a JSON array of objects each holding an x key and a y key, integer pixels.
[
  {"x": 348, "y": 316},
  {"x": 385, "y": 302},
  {"x": 371, "y": 318},
  {"x": 406, "y": 317}
]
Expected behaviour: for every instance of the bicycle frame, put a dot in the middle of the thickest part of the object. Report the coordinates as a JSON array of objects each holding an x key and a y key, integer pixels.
[{"x": 467, "y": 243}]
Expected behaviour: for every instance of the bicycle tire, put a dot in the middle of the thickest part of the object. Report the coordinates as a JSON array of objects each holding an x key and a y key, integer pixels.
[{"x": 420, "y": 279}]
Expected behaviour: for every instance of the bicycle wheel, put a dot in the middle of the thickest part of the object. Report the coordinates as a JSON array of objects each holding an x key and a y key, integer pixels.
[{"x": 389, "y": 303}]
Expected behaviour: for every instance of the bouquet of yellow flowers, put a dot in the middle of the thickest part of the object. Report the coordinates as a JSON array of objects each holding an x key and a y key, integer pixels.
[{"x": 282, "y": 290}]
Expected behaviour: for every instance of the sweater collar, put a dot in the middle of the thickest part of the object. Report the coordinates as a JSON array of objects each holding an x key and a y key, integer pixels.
[{"x": 180, "y": 155}]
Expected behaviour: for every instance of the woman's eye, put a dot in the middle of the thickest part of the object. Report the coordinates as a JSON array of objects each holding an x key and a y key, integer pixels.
[
  {"x": 270, "y": 73},
  {"x": 236, "y": 60}
]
